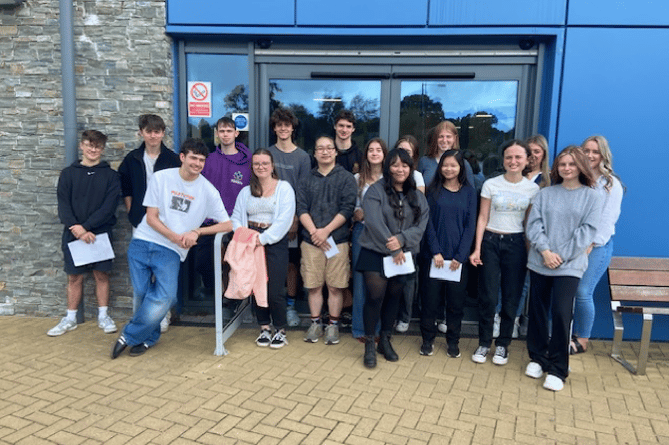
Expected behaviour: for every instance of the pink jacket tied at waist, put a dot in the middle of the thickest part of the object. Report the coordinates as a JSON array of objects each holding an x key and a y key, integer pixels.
[{"x": 248, "y": 270}]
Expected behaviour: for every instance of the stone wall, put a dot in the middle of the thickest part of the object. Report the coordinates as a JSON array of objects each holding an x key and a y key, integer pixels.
[{"x": 123, "y": 68}]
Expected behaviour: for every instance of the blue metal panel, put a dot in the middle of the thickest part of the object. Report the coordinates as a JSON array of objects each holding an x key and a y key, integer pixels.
[
  {"x": 495, "y": 12},
  {"x": 362, "y": 13},
  {"x": 619, "y": 12},
  {"x": 216, "y": 12},
  {"x": 611, "y": 87}
]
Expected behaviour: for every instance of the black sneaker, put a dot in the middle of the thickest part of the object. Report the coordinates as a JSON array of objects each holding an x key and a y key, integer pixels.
[
  {"x": 501, "y": 356},
  {"x": 427, "y": 348},
  {"x": 279, "y": 340},
  {"x": 264, "y": 339},
  {"x": 138, "y": 350},
  {"x": 453, "y": 351}
]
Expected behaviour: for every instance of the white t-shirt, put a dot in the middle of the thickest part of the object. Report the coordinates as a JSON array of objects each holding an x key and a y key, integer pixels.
[
  {"x": 509, "y": 201},
  {"x": 182, "y": 206},
  {"x": 149, "y": 165},
  {"x": 418, "y": 178}
]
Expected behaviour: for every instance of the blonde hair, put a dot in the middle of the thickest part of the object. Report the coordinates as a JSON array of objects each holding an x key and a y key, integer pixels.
[
  {"x": 606, "y": 165},
  {"x": 540, "y": 140},
  {"x": 585, "y": 175}
]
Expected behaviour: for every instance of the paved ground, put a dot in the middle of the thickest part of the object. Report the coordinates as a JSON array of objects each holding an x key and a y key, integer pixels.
[{"x": 66, "y": 390}]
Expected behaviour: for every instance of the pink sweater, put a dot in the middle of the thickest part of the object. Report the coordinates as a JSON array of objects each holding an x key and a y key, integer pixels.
[{"x": 248, "y": 270}]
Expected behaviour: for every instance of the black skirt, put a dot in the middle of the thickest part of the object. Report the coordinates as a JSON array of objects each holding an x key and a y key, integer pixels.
[{"x": 369, "y": 261}]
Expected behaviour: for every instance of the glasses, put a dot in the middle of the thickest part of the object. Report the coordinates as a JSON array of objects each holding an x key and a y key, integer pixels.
[
  {"x": 90, "y": 146},
  {"x": 325, "y": 149},
  {"x": 261, "y": 164}
]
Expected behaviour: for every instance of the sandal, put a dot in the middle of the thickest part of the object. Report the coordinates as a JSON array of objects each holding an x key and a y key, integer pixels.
[{"x": 575, "y": 347}]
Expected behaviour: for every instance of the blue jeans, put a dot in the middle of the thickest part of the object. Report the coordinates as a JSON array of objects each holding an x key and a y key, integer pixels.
[
  {"x": 155, "y": 298},
  {"x": 584, "y": 308},
  {"x": 504, "y": 258},
  {"x": 359, "y": 291}
]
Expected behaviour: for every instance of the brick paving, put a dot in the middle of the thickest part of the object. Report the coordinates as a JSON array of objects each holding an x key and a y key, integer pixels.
[{"x": 66, "y": 390}]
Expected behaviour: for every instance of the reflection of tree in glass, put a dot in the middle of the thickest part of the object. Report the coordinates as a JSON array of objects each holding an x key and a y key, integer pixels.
[
  {"x": 418, "y": 114},
  {"x": 479, "y": 134}
]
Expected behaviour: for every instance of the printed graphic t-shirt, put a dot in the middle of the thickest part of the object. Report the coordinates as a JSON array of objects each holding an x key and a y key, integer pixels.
[
  {"x": 509, "y": 201},
  {"x": 182, "y": 206}
]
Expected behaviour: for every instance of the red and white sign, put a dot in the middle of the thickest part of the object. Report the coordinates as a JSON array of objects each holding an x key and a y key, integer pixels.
[{"x": 199, "y": 99}]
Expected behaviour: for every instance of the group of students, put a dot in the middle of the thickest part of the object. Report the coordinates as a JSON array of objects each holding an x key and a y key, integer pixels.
[{"x": 396, "y": 209}]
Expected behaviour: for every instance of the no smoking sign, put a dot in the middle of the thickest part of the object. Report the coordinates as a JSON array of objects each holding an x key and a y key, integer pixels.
[{"x": 199, "y": 99}]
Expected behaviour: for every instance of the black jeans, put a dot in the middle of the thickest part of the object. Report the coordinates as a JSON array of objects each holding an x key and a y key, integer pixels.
[
  {"x": 504, "y": 260},
  {"x": 440, "y": 293},
  {"x": 551, "y": 349},
  {"x": 276, "y": 257}
]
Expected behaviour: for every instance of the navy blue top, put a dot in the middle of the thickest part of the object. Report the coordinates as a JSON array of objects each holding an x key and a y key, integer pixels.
[{"x": 452, "y": 223}]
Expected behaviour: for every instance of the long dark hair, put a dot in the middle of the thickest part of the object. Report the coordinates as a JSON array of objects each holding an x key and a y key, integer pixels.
[
  {"x": 256, "y": 188},
  {"x": 438, "y": 179},
  {"x": 408, "y": 188},
  {"x": 365, "y": 173}
]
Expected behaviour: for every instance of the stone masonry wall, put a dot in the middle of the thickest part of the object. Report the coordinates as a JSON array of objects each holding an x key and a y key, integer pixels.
[{"x": 123, "y": 69}]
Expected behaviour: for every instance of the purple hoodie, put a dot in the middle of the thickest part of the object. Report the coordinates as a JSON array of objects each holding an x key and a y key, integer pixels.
[{"x": 229, "y": 174}]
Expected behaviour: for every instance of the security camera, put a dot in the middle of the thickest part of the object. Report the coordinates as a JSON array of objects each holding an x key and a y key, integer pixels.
[{"x": 526, "y": 43}]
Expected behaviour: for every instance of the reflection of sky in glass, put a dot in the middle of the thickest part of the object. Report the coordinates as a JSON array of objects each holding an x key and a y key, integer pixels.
[
  {"x": 459, "y": 98},
  {"x": 306, "y": 92},
  {"x": 224, "y": 72}
]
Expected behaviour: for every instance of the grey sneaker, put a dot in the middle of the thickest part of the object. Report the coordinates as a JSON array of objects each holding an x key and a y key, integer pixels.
[
  {"x": 107, "y": 324},
  {"x": 481, "y": 354},
  {"x": 332, "y": 334},
  {"x": 292, "y": 318},
  {"x": 264, "y": 339},
  {"x": 62, "y": 327},
  {"x": 501, "y": 356},
  {"x": 315, "y": 331}
]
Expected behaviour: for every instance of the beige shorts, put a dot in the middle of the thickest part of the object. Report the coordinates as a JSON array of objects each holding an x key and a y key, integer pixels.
[{"x": 317, "y": 270}]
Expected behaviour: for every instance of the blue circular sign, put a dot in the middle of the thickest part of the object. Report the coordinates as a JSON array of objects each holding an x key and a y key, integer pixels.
[{"x": 241, "y": 121}]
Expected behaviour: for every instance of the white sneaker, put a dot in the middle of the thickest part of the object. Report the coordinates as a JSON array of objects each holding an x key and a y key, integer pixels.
[
  {"x": 107, "y": 324},
  {"x": 441, "y": 326},
  {"x": 553, "y": 383},
  {"x": 165, "y": 323},
  {"x": 402, "y": 327},
  {"x": 292, "y": 317},
  {"x": 495, "y": 326},
  {"x": 534, "y": 370},
  {"x": 516, "y": 328},
  {"x": 62, "y": 327},
  {"x": 501, "y": 356},
  {"x": 481, "y": 354}
]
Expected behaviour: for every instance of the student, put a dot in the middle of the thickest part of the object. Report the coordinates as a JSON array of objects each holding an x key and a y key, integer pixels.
[
  {"x": 561, "y": 229},
  {"x": 348, "y": 153},
  {"x": 371, "y": 170},
  {"x": 610, "y": 189},
  {"x": 177, "y": 201},
  {"x": 228, "y": 168},
  {"x": 448, "y": 239},
  {"x": 268, "y": 206},
  {"x": 500, "y": 248},
  {"x": 442, "y": 137},
  {"x": 137, "y": 169},
  {"x": 325, "y": 203},
  {"x": 291, "y": 164},
  {"x": 88, "y": 193},
  {"x": 396, "y": 215},
  {"x": 409, "y": 144}
]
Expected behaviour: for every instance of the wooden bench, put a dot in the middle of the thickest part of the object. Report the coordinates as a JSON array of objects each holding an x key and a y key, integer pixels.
[{"x": 638, "y": 286}]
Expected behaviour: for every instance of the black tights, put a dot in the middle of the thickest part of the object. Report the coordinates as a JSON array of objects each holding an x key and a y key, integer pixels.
[{"x": 383, "y": 299}]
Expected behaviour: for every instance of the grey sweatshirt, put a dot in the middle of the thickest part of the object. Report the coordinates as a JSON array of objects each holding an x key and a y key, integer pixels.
[
  {"x": 564, "y": 222},
  {"x": 381, "y": 224}
]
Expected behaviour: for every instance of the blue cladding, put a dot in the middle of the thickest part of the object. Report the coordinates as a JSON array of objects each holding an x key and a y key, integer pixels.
[
  {"x": 217, "y": 12},
  {"x": 362, "y": 13},
  {"x": 619, "y": 12},
  {"x": 614, "y": 85},
  {"x": 496, "y": 12}
]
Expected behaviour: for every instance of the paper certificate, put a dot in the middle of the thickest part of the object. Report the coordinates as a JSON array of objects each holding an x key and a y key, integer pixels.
[
  {"x": 390, "y": 269},
  {"x": 445, "y": 273},
  {"x": 333, "y": 248},
  {"x": 99, "y": 250}
]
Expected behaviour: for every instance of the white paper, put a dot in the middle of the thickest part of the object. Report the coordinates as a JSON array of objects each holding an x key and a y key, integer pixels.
[
  {"x": 98, "y": 250},
  {"x": 333, "y": 248},
  {"x": 445, "y": 273},
  {"x": 390, "y": 269}
]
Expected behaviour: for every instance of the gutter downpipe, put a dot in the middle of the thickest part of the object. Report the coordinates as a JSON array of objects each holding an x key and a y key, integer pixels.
[
  {"x": 69, "y": 94},
  {"x": 67, "y": 70}
]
